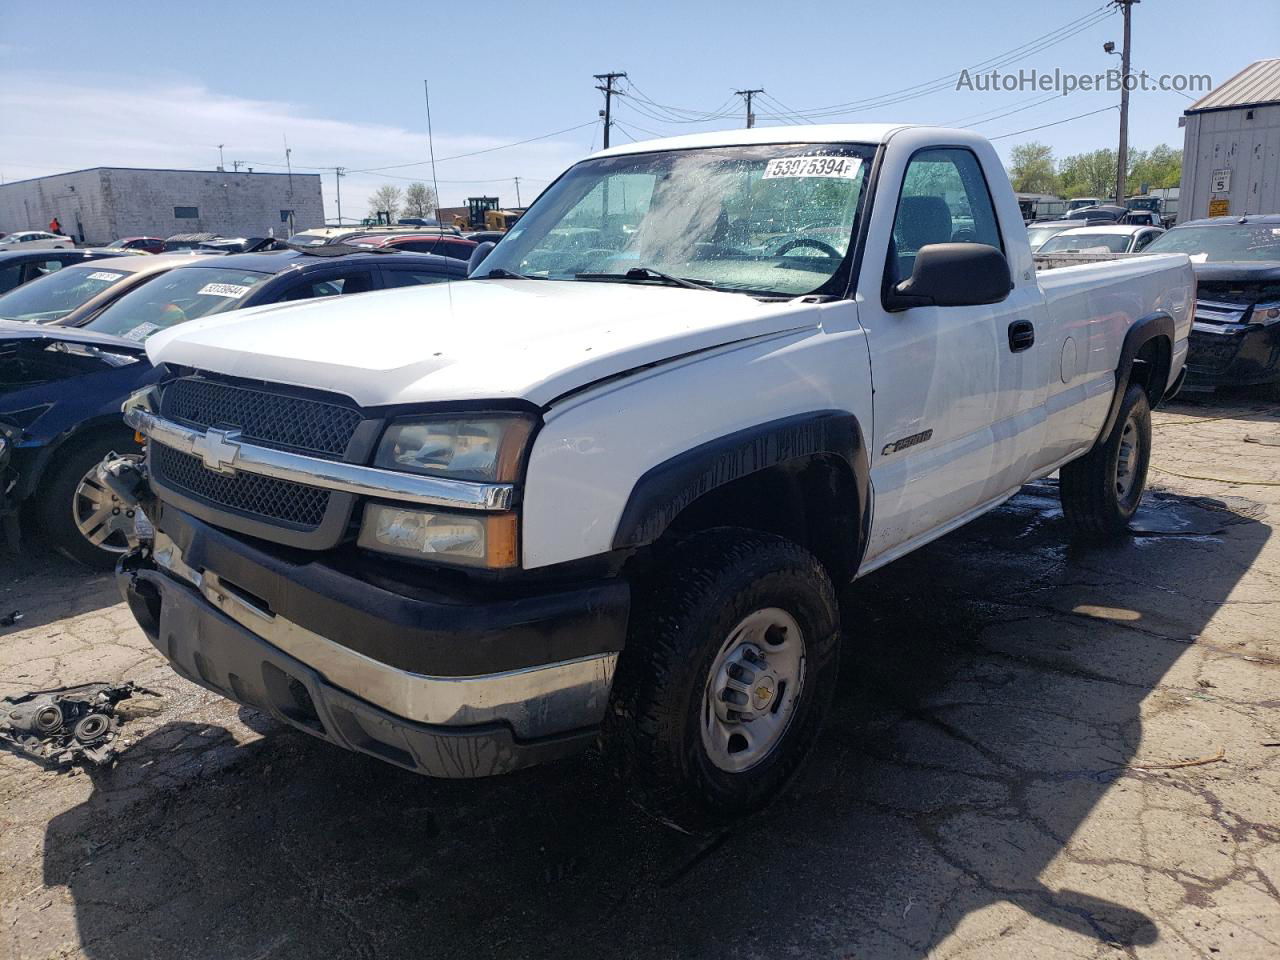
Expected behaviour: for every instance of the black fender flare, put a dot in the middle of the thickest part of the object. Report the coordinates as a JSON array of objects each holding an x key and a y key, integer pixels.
[
  {"x": 1143, "y": 331},
  {"x": 43, "y": 457},
  {"x": 667, "y": 488}
]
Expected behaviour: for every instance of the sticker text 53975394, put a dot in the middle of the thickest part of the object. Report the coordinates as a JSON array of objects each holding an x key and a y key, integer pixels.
[{"x": 839, "y": 168}]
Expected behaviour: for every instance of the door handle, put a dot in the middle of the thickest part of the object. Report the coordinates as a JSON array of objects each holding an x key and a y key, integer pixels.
[{"x": 1021, "y": 335}]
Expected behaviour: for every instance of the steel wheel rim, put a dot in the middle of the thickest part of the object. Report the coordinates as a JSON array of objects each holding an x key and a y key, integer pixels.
[
  {"x": 752, "y": 689},
  {"x": 1127, "y": 459},
  {"x": 102, "y": 518}
]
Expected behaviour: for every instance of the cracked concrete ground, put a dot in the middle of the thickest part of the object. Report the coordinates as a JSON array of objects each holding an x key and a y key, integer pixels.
[{"x": 1001, "y": 777}]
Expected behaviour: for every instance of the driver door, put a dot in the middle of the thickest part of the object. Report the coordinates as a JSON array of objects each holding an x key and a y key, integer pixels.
[{"x": 954, "y": 403}]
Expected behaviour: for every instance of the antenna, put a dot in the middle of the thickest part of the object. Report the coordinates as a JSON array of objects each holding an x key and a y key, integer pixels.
[{"x": 431, "y": 146}]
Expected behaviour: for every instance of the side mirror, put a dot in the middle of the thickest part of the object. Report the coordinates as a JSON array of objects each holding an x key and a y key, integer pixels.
[
  {"x": 952, "y": 275},
  {"x": 481, "y": 251}
]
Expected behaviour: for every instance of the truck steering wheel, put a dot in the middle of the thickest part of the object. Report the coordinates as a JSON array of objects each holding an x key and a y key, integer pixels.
[{"x": 822, "y": 245}]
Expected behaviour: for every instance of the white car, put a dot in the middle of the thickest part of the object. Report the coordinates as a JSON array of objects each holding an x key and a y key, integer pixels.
[
  {"x": 1116, "y": 238},
  {"x": 35, "y": 240},
  {"x": 608, "y": 489}
]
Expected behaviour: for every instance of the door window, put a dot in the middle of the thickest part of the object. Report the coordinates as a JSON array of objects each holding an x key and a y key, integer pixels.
[
  {"x": 361, "y": 282},
  {"x": 944, "y": 200},
  {"x": 412, "y": 278}
]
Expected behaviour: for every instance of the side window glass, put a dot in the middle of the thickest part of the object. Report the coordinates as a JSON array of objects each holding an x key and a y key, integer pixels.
[
  {"x": 48, "y": 266},
  {"x": 944, "y": 200},
  {"x": 1143, "y": 241},
  {"x": 332, "y": 286},
  {"x": 413, "y": 278}
]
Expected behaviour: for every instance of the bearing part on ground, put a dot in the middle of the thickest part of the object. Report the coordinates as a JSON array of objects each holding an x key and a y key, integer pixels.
[{"x": 67, "y": 725}]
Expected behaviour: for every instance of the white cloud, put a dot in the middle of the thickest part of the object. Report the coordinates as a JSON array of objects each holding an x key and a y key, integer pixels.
[{"x": 51, "y": 127}]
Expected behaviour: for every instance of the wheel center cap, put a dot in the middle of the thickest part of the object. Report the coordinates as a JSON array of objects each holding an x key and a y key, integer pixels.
[{"x": 763, "y": 693}]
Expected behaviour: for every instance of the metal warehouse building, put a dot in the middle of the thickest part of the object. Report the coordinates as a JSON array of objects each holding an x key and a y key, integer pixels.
[
  {"x": 1231, "y": 154},
  {"x": 100, "y": 204}
]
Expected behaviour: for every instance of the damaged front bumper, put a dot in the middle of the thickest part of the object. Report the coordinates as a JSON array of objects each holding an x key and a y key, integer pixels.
[{"x": 447, "y": 686}]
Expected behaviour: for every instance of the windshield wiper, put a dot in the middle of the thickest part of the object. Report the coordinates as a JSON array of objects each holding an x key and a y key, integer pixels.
[
  {"x": 648, "y": 273},
  {"x": 502, "y": 273}
]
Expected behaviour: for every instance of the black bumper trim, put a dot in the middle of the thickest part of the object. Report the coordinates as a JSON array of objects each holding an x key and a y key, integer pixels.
[
  {"x": 436, "y": 634},
  {"x": 208, "y": 648}
]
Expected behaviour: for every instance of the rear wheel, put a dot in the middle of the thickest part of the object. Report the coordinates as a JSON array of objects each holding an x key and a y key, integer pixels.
[
  {"x": 729, "y": 668},
  {"x": 1101, "y": 491},
  {"x": 80, "y": 514}
]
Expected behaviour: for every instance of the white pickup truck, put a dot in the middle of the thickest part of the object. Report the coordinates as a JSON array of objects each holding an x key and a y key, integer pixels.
[{"x": 607, "y": 489}]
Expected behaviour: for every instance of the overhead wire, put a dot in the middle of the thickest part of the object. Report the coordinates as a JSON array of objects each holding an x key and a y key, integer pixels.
[
  {"x": 1065, "y": 32},
  {"x": 1055, "y": 123}
]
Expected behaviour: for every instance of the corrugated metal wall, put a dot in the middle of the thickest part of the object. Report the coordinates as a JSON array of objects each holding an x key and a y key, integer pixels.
[{"x": 1226, "y": 140}]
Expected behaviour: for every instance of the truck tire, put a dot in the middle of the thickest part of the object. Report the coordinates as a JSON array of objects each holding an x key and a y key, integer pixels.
[
  {"x": 70, "y": 499},
  {"x": 728, "y": 671},
  {"x": 1101, "y": 490}
]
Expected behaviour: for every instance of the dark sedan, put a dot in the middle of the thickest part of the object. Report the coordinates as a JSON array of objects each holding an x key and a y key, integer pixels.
[
  {"x": 1235, "y": 340},
  {"x": 19, "y": 267},
  {"x": 61, "y": 387}
]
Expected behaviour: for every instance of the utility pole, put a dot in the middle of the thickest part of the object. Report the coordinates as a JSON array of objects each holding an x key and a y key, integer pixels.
[
  {"x": 235, "y": 165},
  {"x": 1122, "y": 156},
  {"x": 221, "y": 163},
  {"x": 338, "y": 174},
  {"x": 747, "y": 95},
  {"x": 288, "y": 162},
  {"x": 517, "y": 180},
  {"x": 609, "y": 92}
]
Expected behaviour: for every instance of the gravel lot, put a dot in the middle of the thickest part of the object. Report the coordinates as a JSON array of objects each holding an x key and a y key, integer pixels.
[{"x": 1004, "y": 776}]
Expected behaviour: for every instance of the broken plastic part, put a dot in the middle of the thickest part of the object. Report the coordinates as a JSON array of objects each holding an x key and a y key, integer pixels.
[{"x": 67, "y": 725}]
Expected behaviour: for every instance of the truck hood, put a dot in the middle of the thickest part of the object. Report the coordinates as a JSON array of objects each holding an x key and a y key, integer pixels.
[
  {"x": 1242, "y": 271},
  {"x": 473, "y": 340}
]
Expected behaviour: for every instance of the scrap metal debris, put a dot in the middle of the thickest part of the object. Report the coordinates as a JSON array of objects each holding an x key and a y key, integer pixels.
[{"x": 67, "y": 725}]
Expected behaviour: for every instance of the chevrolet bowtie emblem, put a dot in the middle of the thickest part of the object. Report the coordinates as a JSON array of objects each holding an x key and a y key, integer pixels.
[
  {"x": 764, "y": 693},
  {"x": 218, "y": 449}
]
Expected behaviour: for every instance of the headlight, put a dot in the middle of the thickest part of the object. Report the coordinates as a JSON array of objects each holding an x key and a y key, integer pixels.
[
  {"x": 1265, "y": 313},
  {"x": 147, "y": 399},
  {"x": 484, "y": 447},
  {"x": 486, "y": 540}
]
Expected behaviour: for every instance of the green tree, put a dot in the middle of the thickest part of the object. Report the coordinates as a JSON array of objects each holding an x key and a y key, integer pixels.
[
  {"x": 1031, "y": 168},
  {"x": 386, "y": 199},
  {"x": 1090, "y": 174},
  {"x": 419, "y": 201},
  {"x": 1161, "y": 166}
]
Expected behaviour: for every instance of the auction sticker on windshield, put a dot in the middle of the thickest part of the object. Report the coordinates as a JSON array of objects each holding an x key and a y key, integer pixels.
[
  {"x": 233, "y": 290},
  {"x": 141, "y": 331},
  {"x": 103, "y": 275},
  {"x": 839, "y": 168}
]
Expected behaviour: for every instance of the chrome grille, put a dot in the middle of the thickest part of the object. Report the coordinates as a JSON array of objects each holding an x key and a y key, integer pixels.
[
  {"x": 277, "y": 501},
  {"x": 278, "y": 420}
]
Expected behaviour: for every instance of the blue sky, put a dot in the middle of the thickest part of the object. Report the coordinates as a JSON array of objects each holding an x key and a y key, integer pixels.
[{"x": 151, "y": 84}]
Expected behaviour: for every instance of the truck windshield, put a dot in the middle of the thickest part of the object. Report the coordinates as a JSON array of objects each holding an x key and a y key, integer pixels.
[
  {"x": 175, "y": 297},
  {"x": 769, "y": 220},
  {"x": 1245, "y": 241}
]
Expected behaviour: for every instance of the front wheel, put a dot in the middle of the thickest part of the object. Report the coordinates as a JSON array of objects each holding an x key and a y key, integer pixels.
[
  {"x": 1101, "y": 490},
  {"x": 729, "y": 668},
  {"x": 80, "y": 514}
]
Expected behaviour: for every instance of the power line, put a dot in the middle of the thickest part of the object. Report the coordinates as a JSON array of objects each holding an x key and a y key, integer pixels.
[
  {"x": 1000, "y": 116},
  {"x": 476, "y": 153},
  {"x": 1054, "y": 123},
  {"x": 1014, "y": 54}
]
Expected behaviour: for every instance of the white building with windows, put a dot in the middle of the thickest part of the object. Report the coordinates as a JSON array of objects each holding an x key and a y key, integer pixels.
[{"x": 98, "y": 205}]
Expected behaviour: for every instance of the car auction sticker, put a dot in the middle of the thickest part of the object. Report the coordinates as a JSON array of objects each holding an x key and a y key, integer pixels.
[
  {"x": 233, "y": 290},
  {"x": 103, "y": 275},
  {"x": 837, "y": 168},
  {"x": 141, "y": 331}
]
